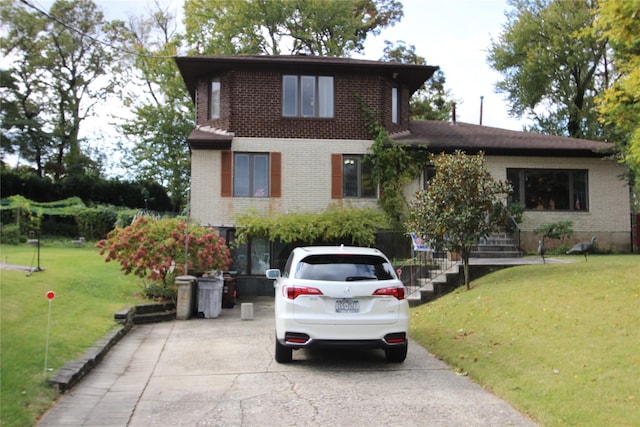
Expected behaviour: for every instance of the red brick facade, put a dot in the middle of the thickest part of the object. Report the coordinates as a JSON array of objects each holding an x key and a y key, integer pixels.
[{"x": 251, "y": 106}]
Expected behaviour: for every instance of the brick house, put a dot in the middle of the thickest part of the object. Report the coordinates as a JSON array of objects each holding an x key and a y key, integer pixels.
[
  {"x": 286, "y": 134},
  {"x": 556, "y": 178}
]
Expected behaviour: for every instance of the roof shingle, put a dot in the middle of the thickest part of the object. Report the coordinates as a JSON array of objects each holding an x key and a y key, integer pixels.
[
  {"x": 447, "y": 137},
  {"x": 194, "y": 67}
]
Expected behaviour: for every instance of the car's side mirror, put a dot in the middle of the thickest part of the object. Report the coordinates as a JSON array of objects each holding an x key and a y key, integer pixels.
[{"x": 273, "y": 273}]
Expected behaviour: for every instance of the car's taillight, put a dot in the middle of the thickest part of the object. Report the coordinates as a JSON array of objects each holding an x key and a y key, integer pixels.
[
  {"x": 293, "y": 292},
  {"x": 396, "y": 338},
  {"x": 394, "y": 292}
]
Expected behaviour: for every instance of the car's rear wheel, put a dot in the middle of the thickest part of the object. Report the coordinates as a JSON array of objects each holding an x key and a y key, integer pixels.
[
  {"x": 283, "y": 354},
  {"x": 396, "y": 354}
]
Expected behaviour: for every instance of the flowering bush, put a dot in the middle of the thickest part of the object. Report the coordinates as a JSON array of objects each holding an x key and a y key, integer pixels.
[{"x": 155, "y": 248}]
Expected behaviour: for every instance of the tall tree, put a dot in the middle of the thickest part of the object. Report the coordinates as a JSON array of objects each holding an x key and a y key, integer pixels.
[
  {"x": 432, "y": 101},
  {"x": 315, "y": 27},
  {"x": 552, "y": 68},
  {"x": 619, "y": 22},
  {"x": 22, "y": 112},
  {"x": 22, "y": 126},
  {"x": 60, "y": 61},
  {"x": 162, "y": 111},
  {"x": 457, "y": 208}
]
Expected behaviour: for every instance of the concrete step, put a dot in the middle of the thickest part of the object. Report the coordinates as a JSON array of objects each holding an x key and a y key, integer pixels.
[
  {"x": 162, "y": 316},
  {"x": 496, "y": 241},
  {"x": 492, "y": 248},
  {"x": 154, "y": 307},
  {"x": 513, "y": 253},
  {"x": 430, "y": 289},
  {"x": 146, "y": 313}
]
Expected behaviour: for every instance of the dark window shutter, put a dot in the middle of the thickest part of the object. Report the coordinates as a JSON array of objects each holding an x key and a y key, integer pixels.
[
  {"x": 276, "y": 175},
  {"x": 226, "y": 173},
  {"x": 336, "y": 176}
]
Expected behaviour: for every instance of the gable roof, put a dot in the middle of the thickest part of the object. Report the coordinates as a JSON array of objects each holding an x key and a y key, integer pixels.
[
  {"x": 194, "y": 67},
  {"x": 441, "y": 136}
]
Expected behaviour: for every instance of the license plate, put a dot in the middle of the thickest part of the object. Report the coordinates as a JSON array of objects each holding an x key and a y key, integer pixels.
[{"x": 347, "y": 305}]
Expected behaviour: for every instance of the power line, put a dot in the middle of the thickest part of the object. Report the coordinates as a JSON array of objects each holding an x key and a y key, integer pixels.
[{"x": 89, "y": 36}]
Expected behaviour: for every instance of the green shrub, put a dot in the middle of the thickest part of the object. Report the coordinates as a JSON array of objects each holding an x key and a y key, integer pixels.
[
  {"x": 556, "y": 230},
  {"x": 161, "y": 291},
  {"x": 95, "y": 223},
  {"x": 10, "y": 234},
  {"x": 336, "y": 224},
  {"x": 516, "y": 210},
  {"x": 59, "y": 226},
  {"x": 126, "y": 217},
  {"x": 561, "y": 249}
]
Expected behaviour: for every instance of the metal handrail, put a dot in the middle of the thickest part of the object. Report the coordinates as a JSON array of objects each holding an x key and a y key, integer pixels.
[
  {"x": 409, "y": 276},
  {"x": 515, "y": 234}
]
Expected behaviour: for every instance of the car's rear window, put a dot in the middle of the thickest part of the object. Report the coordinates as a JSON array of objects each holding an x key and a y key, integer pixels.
[{"x": 344, "y": 267}]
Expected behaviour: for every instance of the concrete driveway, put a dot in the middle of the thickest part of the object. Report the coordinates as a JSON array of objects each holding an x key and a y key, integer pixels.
[{"x": 221, "y": 372}]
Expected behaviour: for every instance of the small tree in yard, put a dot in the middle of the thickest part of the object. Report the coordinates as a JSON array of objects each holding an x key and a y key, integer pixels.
[
  {"x": 154, "y": 249},
  {"x": 457, "y": 208}
]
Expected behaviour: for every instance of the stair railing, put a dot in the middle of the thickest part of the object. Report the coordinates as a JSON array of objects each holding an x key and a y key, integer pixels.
[
  {"x": 513, "y": 228},
  {"x": 408, "y": 271}
]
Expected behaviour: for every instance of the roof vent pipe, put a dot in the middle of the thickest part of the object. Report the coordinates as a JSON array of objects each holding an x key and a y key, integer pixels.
[
  {"x": 453, "y": 113},
  {"x": 481, "y": 99}
]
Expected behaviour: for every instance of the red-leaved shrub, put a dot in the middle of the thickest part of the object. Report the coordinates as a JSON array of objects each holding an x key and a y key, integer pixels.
[{"x": 154, "y": 248}]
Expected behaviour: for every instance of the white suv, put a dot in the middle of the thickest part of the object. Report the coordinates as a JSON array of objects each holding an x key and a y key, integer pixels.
[{"x": 339, "y": 296}]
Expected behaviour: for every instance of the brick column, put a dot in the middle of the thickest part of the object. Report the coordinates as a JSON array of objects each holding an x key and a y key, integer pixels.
[{"x": 186, "y": 296}]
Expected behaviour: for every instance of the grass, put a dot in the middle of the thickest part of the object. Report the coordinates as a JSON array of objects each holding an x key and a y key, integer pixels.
[
  {"x": 88, "y": 293},
  {"x": 560, "y": 342}
]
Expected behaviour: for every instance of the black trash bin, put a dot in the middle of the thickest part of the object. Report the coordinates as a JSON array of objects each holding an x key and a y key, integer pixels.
[{"x": 229, "y": 291}]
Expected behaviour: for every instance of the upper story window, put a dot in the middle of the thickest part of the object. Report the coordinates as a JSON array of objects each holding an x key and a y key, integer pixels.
[
  {"x": 550, "y": 189},
  {"x": 307, "y": 96},
  {"x": 214, "y": 98},
  {"x": 357, "y": 180},
  {"x": 251, "y": 174},
  {"x": 395, "y": 106}
]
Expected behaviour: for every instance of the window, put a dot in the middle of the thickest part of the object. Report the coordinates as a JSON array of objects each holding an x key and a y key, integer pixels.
[
  {"x": 395, "y": 110},
  {"x": 356, "y": 177},
  {"x": 259, "y": 255},
  {"x": 550, "y": 189},
  {"x": 245, "y": 177},
  {"x": 251, "y": 175},
  {"x": 307, "y": 96},
  {"x": 214, "y": 98},
  {"x": 340, "y": 268},
  {"x": 428, "y": 174},
  {"x": 249, "y": 258}
]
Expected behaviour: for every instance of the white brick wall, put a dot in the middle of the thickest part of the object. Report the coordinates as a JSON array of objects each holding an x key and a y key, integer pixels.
[
  {"x": 609, "y": 205},
  {"x": 306, "y": 187},
  {"x": 306, "y": 179}
]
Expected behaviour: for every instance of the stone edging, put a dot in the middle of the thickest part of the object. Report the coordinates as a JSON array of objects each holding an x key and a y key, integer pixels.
[{"x": 71, "y": 373}]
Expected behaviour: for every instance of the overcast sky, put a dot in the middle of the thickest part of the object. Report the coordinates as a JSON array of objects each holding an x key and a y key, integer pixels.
[
  {"x": 452, "y": 34},
  {"x": 455, "y": 35}
]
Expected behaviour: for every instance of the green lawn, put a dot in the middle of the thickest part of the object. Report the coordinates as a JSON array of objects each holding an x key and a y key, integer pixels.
[
  {"x": 561, "y": 342},
  {"x": 88, "y": 293}
]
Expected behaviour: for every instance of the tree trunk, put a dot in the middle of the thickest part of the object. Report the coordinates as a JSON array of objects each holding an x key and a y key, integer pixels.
[{"x": 465, "y": 261}]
